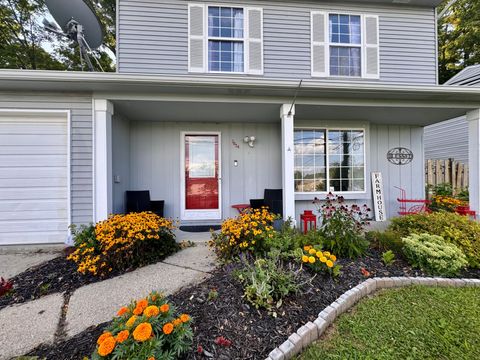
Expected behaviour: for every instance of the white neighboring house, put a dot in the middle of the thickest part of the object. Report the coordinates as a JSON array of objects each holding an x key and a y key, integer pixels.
[
  {"x": 194, "y": 79},
  {"x": 449, "y": 139}
]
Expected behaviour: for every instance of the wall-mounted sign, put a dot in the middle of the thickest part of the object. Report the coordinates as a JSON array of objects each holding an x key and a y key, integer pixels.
[
  {"x": 400, "y": 156},
  {"x": 378, "y": 199}
]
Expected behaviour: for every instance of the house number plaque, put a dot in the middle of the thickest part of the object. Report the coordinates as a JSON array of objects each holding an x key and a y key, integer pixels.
[{"x": 400, "y": 156}]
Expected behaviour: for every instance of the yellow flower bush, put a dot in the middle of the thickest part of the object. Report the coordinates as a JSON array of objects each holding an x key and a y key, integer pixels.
[
  {"x": 446, "y": 203},
  {"x": 123, "y": 241},
  {"x": 153, "y": 335},
  {"x": 245, "y": 233},
  {"x": 319, "y": 260}
]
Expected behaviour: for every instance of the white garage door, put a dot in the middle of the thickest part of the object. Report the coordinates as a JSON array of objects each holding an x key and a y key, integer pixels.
[{"x": 33, "y": 178}]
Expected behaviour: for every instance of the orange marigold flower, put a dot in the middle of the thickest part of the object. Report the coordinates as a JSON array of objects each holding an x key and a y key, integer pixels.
[
  {"x": 107, "y": 346},
  {"x": 151, "y": 358},
  {"x": 122, "y": 311},
  {"x": 184, "y": 318},
  {"x": 142, "y": 332},
  {"x": 122, "y": 336},
  {"x": 167, "y": 328},
  {"x": 103, "y": 337},
  {"x": 151, "y": 311},
  {"x": 131, "y": 321},
  {"x": 177, "y": 322},
  {"x": 164, "y": 308},
  {"x": 138, "y": 311},
  {"x": 142, "y": 304}
]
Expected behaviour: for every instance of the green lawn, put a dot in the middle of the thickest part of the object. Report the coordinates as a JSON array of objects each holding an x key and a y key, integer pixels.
[{"x": 407, "y": 323}]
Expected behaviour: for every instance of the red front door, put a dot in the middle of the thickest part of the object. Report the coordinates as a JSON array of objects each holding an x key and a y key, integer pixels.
[{"x": 202, "y": 175}]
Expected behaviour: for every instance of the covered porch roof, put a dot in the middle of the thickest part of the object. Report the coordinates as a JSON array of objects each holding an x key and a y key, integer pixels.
[{"x": 253, "y": 99}]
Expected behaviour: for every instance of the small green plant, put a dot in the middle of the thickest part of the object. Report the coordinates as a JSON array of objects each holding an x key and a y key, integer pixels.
[
  {"x": 388, "y": 257},
  {"x": 267, "y": 281},
  {"x": 44, "y": 288},
  {"x": 432, "y": 254},
  {"x": 83, "y": 234},
  {"x": 212, "y": 295}
]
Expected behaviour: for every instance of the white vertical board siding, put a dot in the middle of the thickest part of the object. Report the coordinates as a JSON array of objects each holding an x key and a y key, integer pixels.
[
  {"x": 447, "y": 139},
  {"x": 155, "y": 161},
  {"x": 153, "y": 38},
  {"x": 80, "y": 107}
]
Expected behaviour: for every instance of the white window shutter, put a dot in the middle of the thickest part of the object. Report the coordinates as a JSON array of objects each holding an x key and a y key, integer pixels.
[
  {"x": 254, "y": 41},
  {"x": 319, "y": 51},
  {"x": 371, "y": 51},
  {"x": 196, "y": 38}
]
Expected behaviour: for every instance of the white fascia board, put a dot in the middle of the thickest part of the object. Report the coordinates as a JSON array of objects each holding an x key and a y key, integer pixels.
[{"x": 92, "y": 82}]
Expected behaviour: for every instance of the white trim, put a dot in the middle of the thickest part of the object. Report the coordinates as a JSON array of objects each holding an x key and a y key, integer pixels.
[
  {"x": 103, "y": 190},
  {"x": 94, "y": 184},
  {"x": 67, "y": 114},
  {"x": 215, "y": 214},
  {"x": 327, "y": 172}
]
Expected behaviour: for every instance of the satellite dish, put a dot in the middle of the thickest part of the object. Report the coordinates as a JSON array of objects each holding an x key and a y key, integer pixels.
[{"x": 79, "y": 23}]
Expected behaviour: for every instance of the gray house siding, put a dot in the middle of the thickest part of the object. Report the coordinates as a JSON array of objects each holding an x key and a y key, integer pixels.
[
  {"x": 155, "y": 162},
  {"x": 80, "y": 107},
  {"x": 448, "y": 139},
  {"x": 152, "y": 38}
]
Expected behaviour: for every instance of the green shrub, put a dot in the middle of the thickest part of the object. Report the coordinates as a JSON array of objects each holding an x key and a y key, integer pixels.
[
  {"x": 267, "y": 281},
  {"x": 432, "y": 254},
  {"x": 385, "y": 240},
  {"x": 342, "y": 226},
  {"x": 288, "y": 239},
  {"x": 455, "y": 229},
  {"x": 388, "y": 257},
  {"x": 122, "y": 242}
]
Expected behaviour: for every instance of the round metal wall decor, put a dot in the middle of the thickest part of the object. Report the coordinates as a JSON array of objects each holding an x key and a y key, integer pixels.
[{"x": 400, "y": 156}]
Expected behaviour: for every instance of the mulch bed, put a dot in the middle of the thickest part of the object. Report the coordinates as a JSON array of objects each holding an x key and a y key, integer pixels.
[{"x": 253, "y": 333}]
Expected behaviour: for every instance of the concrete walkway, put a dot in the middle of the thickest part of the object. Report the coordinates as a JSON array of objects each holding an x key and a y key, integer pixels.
[{"x": 96, "y": 303}]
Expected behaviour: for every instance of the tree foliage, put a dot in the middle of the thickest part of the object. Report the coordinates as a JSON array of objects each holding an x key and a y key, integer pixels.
[
  {"x": 24, "y": 44},
  {"x": 459, "y": 37}
]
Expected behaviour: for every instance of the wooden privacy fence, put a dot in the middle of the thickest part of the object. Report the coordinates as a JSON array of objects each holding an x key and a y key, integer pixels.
[{"x": 447, "y": 172}]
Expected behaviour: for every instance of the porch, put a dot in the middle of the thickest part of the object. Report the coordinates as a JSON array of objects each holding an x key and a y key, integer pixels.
[{"x": 146, "y": 150}]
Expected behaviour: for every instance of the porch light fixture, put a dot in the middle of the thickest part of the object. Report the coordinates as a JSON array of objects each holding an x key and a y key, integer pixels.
[{"x": 249, "y": 140}]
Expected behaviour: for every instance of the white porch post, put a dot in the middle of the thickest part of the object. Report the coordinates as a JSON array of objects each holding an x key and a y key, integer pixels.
[
  {"x": 287, "y": 114},
  {"x": 473, "y": 118},
  {"x": 103, "y": 199}
]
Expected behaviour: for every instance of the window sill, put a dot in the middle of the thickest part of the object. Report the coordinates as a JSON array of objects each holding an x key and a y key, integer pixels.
[{"x": 322, "y": 196}]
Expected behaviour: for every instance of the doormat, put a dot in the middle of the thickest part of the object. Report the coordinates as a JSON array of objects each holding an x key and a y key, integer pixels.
[{"x": 200, "y": 228}]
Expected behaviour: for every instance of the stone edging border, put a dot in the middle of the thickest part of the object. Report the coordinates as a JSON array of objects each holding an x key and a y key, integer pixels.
[{"x": 311, "y": 331}]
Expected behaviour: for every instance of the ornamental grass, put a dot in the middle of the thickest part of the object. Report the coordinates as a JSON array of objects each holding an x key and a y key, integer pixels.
[
  {"x": 245, "y": 233},
  {"x": 157, "y": 332},
  {"x": 122, "y": 242}
]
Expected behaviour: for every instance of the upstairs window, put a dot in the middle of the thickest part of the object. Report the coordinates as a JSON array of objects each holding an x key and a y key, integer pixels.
[
  {"x": 345, "y": 45},
  {"x": 226, "y": 41}
]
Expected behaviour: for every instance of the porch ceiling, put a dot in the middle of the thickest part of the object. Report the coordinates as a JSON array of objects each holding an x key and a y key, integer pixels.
[{"x": 181, "y": 111}]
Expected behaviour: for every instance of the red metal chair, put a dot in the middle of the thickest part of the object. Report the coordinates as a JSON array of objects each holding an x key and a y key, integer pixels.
[{"x": 406, "y": 207}]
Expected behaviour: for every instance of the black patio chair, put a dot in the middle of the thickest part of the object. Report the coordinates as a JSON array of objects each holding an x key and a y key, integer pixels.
[
  {"x": 138, "y": 201},
  {"x": 272, "y": 198}
]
